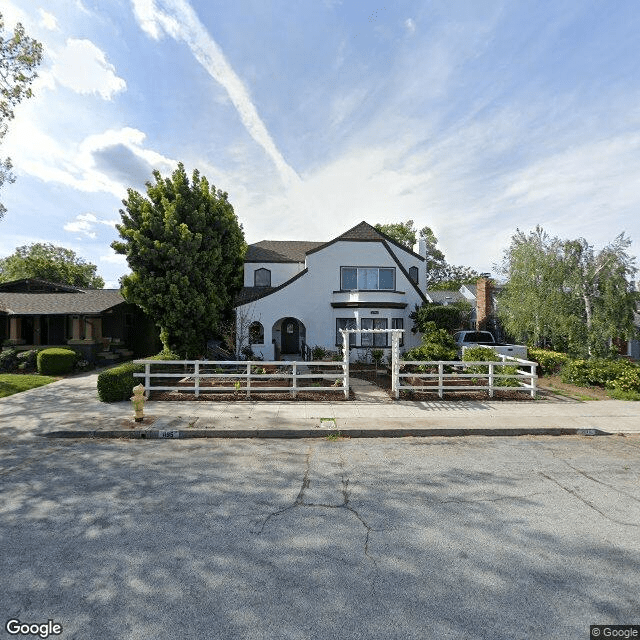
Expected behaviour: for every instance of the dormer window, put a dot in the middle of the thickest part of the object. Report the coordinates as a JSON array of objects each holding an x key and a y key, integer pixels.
[
  {"x": 262, "y": 278},
  {"x": 413, "y": 274}
]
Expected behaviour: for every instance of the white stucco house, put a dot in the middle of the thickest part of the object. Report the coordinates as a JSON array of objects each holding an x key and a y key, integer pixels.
[{"x": 300, "y": 294}]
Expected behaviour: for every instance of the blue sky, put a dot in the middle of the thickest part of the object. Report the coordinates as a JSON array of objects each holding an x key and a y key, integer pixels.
[{"x": 474, "y": 118}]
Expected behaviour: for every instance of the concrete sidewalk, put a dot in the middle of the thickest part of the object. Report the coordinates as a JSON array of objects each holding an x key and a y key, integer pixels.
[{"x": 70, "y": 408}]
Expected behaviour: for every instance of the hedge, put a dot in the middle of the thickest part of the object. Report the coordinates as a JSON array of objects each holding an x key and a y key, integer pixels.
[
  {"x": 115, "y": 385},
  {"x": 55, "y": 362},
  {"x": 597, "y": 371},
  {"x": 549, "y": 362}
]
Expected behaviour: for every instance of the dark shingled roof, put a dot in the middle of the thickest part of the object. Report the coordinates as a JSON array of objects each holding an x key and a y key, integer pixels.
[
  {"x": 249, "y": 294},
  {"x": 83, "y": 301},
  {"x": 279, "y": 250},
  {"x": 364, "y": 232},
  {"x": 36, "y": 285}
]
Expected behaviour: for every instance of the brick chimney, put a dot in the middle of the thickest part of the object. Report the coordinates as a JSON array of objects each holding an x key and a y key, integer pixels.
[{"x": 484, "y": 306}]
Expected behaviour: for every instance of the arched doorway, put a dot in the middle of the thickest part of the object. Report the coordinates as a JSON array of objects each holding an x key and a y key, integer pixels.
[{"x": 290, "y": 336}]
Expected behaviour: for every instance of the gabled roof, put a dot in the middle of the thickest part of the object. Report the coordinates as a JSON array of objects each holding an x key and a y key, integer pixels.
[
  {"x": 364, "y": 232},
  {"x": 279, "y": 250},
  {"x": 80, "y": 301}
]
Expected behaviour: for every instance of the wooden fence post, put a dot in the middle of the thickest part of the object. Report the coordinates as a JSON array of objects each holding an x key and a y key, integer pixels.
[
  {"x": 147, "y": 378},
  {"x": 294, "y": 380},
  {"x": 345, "y": 363},
  {"x": 491, "y": 370},
  {"x": 395, "y": 364},
  {"x": 196, "y": 376}
]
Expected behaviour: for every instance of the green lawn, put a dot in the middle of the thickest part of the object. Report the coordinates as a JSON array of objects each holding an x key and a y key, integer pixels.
[{"x": 11, "y": 383}]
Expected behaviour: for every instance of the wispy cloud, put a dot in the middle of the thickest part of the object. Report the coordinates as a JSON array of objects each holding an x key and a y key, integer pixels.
[
  {"x": 48, "y": 20},
  {"x": 85, "y": 223},
  {"x": 177, "y": 19},
  {"x": 82, "y": 67}
]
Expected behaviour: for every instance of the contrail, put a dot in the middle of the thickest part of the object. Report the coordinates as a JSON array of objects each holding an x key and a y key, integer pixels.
[{"x": 177, "y": 19}]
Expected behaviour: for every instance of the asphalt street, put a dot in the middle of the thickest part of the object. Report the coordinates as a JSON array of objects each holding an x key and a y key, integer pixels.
[{"x": 471, "y": 538}]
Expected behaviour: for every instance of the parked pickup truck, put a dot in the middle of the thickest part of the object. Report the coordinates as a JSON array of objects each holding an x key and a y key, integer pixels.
[{"x": 466, "y": 339}]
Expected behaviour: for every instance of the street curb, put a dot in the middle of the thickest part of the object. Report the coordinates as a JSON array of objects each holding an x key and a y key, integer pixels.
[{"x": 187, "y": 434}]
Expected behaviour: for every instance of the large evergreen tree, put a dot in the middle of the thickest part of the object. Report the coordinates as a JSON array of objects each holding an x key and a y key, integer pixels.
[
  {"x": 562, "y": 293},
  {"x": 48, "y": 262},
  {"x": 185, "y": 248}
]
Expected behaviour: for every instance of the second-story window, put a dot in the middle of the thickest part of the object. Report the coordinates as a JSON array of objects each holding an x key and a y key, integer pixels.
[
  {"x": 413, "y": 274},
  {"x": 367, "y": 278},
  {"x": 262, "y": 278}
]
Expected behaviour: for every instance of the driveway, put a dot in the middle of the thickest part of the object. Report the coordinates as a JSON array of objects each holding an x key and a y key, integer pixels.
[{"x": 470, "y": 538}]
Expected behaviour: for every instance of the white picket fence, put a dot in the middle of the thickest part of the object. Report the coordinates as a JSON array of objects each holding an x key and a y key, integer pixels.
[
  {"x": 448, "y": 372},
  {"x": 240, "y": 376}
]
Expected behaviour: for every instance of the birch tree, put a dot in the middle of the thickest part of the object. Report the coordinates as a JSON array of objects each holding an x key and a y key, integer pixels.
[{"x": 564, "y": 294}]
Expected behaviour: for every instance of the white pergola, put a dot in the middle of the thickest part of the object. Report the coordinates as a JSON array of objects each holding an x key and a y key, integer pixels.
[{"x": 395, "y": 350}]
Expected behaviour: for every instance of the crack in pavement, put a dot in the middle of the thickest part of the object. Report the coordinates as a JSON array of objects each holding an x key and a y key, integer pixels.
[
  {"x": 557, "y": 456},
  {"x": 576, "y": 495},
  {"x": 498, "y": 499},
  {"x": 344, "y": 490}
]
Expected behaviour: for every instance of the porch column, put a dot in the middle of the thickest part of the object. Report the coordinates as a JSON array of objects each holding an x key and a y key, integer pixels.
[
  {"x": 88, "y": 329},
  {"x": 37, "y": 327},
  {"x": 97, "y": 329},
  {"x": 14, "y": 328},
  {"x": 75, "y": 328}
]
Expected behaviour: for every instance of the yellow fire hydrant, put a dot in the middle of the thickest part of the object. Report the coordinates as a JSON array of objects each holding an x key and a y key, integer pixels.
[{"x": 138, "y": 401}]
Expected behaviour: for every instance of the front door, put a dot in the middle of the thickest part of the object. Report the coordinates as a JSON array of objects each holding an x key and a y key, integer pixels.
[{"x": 290, "y": 336}]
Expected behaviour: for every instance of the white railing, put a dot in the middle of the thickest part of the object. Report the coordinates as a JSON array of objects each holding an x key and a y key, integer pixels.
[
  {"x": 449, "y": 372},
  {"x": 239, "y": 377}
]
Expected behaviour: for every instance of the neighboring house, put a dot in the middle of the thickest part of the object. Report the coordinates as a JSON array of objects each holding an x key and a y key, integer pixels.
[
  {"x": 36, "y": 313},
  {"x": 633, "y": 345},
  {"x": 444, "y": 297},
  {"x": 300, "y": 294}
]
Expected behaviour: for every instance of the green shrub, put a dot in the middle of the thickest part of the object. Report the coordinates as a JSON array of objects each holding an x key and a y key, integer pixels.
[
  {"x": 625, "y": 395},
  {"x": 437, "y": 344},
  {"x": 595, "y": 372},
  {"x": 431, "y": 351},
  {"x": 55, "y": 362},
  {"x": 8, "y": 360},
  {"x": 627, "y": 381},
  {"x": 487, "y": 354},
  {"x": 28, "y": 358},
  {"x": 447, "y": 317},
  {"x": 318, "y": 352},
  {"x": 117, "y": 384},
  {"x": 549, "y": 362}
]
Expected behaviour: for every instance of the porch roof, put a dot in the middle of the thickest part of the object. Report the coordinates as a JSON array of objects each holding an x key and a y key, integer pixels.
[{"x": 82, "y": 301}]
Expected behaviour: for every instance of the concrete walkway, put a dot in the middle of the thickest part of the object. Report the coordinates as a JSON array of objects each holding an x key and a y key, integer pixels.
[{"x": 71, "y": 408}]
